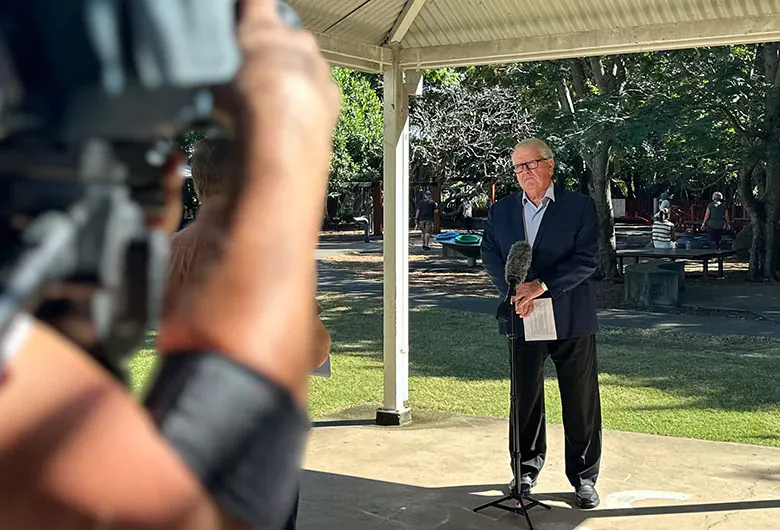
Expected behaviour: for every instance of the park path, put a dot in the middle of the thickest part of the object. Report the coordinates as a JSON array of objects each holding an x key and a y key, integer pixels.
[{"x": 736, "y": 297}]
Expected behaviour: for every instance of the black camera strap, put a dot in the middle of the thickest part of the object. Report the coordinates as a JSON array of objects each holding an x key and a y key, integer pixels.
[{"x": 240, "y": 433}]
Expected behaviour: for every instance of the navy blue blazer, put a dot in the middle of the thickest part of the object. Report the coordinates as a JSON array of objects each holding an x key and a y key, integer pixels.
[{"x": 564, "y": 256}]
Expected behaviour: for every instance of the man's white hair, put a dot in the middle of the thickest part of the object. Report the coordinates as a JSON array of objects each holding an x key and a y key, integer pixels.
[
  {"x": 544, "y": 149},
  {"x": 717, "y": 196}
]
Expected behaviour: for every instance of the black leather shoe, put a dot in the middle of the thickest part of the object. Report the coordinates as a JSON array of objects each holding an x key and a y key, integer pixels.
[{"x": 586, "y": 497}]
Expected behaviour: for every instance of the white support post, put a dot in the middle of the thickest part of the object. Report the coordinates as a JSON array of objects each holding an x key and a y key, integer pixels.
[{"x": 396, "y": 247}]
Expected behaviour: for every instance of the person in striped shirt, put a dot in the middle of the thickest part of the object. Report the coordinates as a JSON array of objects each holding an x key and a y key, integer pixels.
[{"x": 663, "y": 231}]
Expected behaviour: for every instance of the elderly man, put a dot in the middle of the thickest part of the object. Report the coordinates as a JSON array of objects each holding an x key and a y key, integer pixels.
[{"x": 561, "y": 227}]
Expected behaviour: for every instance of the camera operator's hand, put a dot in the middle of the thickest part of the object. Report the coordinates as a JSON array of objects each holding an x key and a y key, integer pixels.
[{"x": 255, "y": 303}]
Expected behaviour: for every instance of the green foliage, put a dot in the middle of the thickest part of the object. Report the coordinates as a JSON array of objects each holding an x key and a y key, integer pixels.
[
  {"x": 357, "y": 141},
  {"x": 686, "y": 122},
  {"x": 443, "y": 77}
]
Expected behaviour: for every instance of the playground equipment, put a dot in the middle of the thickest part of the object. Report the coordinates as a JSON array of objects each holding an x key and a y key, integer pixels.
[{"x": 455, "y": 243}]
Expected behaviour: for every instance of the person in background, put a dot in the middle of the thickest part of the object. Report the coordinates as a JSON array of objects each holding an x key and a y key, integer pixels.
[
  {"x": 467, "y": 210},
  {"x": 663, "y": 231},
  {"x": 664, "y": 204},
  {"x": 215, "y": 164},
  {"x": 716, "y": 220},
  {"x": 423, "y": 219},
  {"x": 464, "y": 210}
]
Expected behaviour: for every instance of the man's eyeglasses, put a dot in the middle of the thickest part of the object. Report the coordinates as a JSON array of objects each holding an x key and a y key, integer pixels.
[{"x": 530, "y": 165}]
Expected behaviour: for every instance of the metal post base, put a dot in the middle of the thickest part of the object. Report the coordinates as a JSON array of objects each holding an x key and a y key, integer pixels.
[
  {"x": 523, "y": 503},
  {"x": 393, "y": 418}
]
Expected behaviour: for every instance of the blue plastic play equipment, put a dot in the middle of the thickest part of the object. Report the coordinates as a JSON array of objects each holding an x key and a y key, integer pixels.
[{"x": 464, "y": 244}]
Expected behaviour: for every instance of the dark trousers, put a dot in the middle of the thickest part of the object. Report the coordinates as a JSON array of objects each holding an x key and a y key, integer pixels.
[
  {"x": 292, "y": 522},
  {"x": 713, "y": 236},
  {"x": 575, "y": 363}
]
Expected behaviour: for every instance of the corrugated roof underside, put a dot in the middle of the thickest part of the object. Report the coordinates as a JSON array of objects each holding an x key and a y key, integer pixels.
[{"x": 443, "y": 22}]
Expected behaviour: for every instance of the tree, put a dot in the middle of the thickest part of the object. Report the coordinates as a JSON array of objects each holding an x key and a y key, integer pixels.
[
  {"x": 737, "y": 90},
  {"x": 580, "y": 106},
  {"x": 462, "y": 133},
  {"x": 760, "y": 174},
  {"x": 357, "y": 139}
]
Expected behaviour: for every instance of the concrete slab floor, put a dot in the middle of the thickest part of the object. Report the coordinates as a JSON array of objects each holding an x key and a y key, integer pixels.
[{"x": 431, "y": 475}]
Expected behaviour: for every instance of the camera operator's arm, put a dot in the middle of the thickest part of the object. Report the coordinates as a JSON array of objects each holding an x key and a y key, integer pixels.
[
  {"x": 77, "y": 452},
  {"x": 255, "y": 305},
  {"x": 240, "y": 340}
]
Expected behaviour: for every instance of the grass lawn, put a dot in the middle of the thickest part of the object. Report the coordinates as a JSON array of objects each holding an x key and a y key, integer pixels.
[{"x": 659, "y": 382}]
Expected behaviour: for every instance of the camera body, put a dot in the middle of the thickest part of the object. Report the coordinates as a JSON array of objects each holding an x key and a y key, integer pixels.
[{"x": 92, "y": 93}]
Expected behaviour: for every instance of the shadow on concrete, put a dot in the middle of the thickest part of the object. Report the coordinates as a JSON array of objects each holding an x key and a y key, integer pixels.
[{"x": 339, "y": 502}]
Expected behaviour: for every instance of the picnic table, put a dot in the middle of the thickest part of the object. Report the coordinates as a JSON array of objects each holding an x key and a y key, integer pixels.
[{"x": 674, "y": 254}]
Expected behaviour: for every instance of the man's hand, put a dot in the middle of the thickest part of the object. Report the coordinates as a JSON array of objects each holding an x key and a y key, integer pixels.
[
  {"x": 525, "y": 309},
  {"x": 525, "y": 293}
]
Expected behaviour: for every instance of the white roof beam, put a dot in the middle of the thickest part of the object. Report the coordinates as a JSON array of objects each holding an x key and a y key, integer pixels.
[
  {"x": 717, "y": 32},
  {"x": 405, "y": 20},
  {"x": 352, "y": 54}
]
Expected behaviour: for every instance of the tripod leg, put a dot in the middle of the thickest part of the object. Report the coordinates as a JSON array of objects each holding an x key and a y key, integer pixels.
[
  {"x": 492, "y": 504},
  {"x": 525, "y": 509},
  {"x": 533, "y": 503}
]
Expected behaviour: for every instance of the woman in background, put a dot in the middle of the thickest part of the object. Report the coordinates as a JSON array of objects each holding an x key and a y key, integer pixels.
[
  {"x": 716, "y": 220},
  {"x": 663, "y": 231}
]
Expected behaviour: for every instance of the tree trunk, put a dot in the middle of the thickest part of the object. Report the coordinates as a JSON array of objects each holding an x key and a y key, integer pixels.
[
  {"x": 772, "y": 209},
  {"x": 602, "y": 195},
  {"x": 561, "y": 179},
  {"x": 631, "y": 186},
  {"x": 771, "y": 195},
  {"x": 758, "y": 248},
  {"x": 757, "y": 212},
  {"x": 771, "y": 260},
  {"x": 597, "y": 158}
]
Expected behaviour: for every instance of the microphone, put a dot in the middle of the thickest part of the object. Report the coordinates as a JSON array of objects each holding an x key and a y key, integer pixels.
[
  {"x": 516, "y": 269},
  {"x": 517, "y": 264}
]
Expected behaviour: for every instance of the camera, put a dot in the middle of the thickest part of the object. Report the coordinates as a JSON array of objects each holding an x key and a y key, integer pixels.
[{"x": 92, "y": 92}]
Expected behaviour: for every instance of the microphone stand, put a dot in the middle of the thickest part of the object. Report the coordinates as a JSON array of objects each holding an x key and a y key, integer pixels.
[{"x": 523, "y": 501}]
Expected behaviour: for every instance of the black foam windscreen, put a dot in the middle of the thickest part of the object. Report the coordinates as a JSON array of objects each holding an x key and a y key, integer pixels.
[{"x": 517, "y": 263}]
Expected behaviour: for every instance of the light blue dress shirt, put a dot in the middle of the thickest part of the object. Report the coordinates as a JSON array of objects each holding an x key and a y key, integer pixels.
[{"x": 533, "y": 215}]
